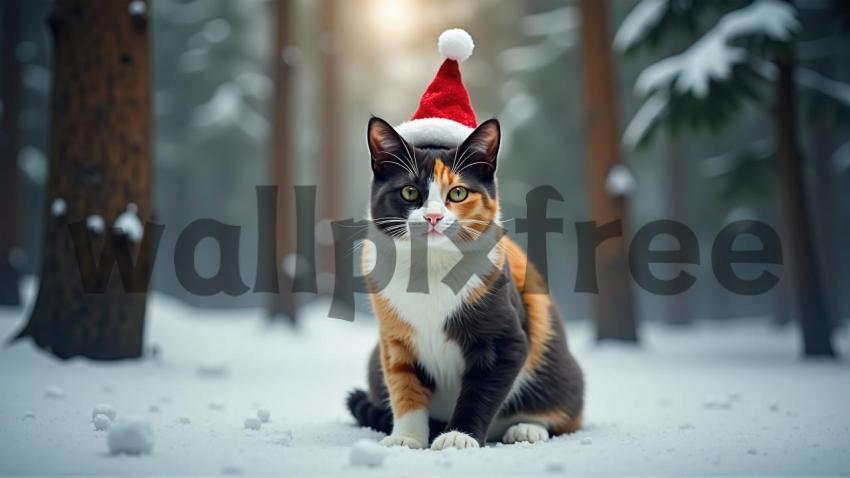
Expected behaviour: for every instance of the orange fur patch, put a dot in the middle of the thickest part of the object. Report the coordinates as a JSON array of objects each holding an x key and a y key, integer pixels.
[
  {"x": 538, "y": 305},
  {"x": 398, "y": 360},
  {"x": 477, "y": 211}
]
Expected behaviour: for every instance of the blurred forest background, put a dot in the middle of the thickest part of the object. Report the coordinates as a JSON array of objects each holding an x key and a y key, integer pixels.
[{"x": 217, "y": 64}]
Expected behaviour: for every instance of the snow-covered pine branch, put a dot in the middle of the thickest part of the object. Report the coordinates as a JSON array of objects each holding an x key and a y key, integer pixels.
[
  {"x": 713, "y": 59},
  {"x": 640, "y": 20}
]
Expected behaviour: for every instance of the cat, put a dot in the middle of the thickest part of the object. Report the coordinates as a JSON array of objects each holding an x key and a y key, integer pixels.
[{"x": 489, "y": 362}]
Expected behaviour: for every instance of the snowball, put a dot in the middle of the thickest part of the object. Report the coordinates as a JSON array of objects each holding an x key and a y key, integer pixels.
[
  {"x": 104, "y": 409},
  {"x": 95, "y": 223},
  {"x": 58, "y": 207},
  {"x": 211, "y": 367},
  {"x": 264, "y": 414},
  {"x": 130, "y": 435},
  {"x": 367, "y": 453},
  {"x": 620, "y": 181},
  {"x": 137, "y": 8},
  {"x": 253, "y": 423},
  {"x": 101, "y": 422},
  {"x": 129, "y": 224},
  {"x": 586, "y": 441},
  {"x": 185, "y": 420},
  {"x": 455, "y": 44},
  {"x": 54, "y": 392}
]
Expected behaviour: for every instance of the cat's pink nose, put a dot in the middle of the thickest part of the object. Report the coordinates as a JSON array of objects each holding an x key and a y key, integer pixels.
[{"x": 433, "y": 217}]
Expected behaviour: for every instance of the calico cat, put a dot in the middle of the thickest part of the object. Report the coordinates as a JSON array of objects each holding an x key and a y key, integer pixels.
[{"x": 489, "y": 362}]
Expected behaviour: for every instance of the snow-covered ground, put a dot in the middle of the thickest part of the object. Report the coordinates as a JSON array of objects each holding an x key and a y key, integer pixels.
[{"x": 731, "y": 398}]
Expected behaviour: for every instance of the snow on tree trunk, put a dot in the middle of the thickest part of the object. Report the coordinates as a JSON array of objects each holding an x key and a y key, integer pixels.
[
  {"x": 99, "y": 164},
  {"x": 283, "y": 303},
  {"x": 9, "y": 143},
  {"x": 615, "y": 316},
  {"x": 814, "y": 315}
]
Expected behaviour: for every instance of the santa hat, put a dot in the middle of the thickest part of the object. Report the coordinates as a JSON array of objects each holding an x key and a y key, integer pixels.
[{"x": 445, "y": 116}]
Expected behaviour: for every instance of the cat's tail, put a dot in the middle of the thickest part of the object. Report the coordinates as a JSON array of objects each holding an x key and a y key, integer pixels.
[{"x": 368, "y": 414}]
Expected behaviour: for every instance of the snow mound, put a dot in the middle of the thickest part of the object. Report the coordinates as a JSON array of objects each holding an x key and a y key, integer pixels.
[
  {"x": 104, "y": 409},
  {"x": 586, "y": 441},
  {"x": 131, "y": 435},
  {"x": 367, "y": 453},
  {"x": 55, "y": 392},
  {"x": 253, "y": 423},
  {"x": 101, "y": 422},
  {"x": 185, "y": 421},
  {"x": 264, "y": 414},
  {"x": 217, "y": 404},
  {"x": 29, "y": 415},
  {"x": 153, "y": 408}
]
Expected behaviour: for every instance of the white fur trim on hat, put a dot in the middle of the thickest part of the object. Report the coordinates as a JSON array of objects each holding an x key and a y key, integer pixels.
[
  {"x": 455, "y": 44},
  {"x": 434, "y": 132}
]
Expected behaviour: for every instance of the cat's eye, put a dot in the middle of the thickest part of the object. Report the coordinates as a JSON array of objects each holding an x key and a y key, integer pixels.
[
  {"x": 458, "y": 194},
  {"x": 409, "y": 193}
]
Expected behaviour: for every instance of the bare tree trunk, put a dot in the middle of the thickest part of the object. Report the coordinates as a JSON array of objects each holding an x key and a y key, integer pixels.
[
  {"x": 824, "y": 200},
  {"x": 100, "y": 163},
  {"x": 615, "y": 316},
  {"x": 331, "y": 188},
  {"x": 283, "y": 304},
  {"x": 10, "y": 193},
  {"x": 679, "y": 309},
  {"x": 814, "y": 315}
]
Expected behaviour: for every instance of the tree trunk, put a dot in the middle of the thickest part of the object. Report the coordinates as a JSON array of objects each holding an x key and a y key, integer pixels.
[
  {"x": 814, "y": 315},
  {"x": 331, "y": 186},
  {"x": 10, "y": 193},
  {"x": 615, "y": 317},
  {"x": 283, "y": 304},
  {"x": 100, "y": 163},
  {"x": 679, "y": 306}
]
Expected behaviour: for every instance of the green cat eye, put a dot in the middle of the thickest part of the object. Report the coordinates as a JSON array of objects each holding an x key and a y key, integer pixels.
[
  {"x": 409, "y": 193},
  {"x": 458, "y": 194}
]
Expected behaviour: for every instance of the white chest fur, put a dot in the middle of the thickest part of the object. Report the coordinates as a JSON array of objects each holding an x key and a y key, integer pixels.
[{"x": 427, "y": 313}]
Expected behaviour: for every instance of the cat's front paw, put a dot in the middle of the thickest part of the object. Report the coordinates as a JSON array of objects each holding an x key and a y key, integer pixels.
[
  {"x": 401, "y": 440},
  {"x": 454, "y": 439},
  {"x": 528, "y": 432}
]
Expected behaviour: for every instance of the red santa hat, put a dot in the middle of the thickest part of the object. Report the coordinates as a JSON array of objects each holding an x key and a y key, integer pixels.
[{"x": 445, "y": 116}]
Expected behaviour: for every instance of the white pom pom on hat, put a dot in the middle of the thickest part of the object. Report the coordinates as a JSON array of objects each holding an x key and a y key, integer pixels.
[{"x": 455, "y": 44}]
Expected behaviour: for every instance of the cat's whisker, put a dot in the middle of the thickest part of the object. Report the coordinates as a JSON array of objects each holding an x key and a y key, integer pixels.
[
  {"x": 454, "y": 160},
  {"x": 413, "y": 160},
  {"x": 473, "y": 164},
  {"x": 401, "y": 160},
  {"x": 463, "y": 158}
]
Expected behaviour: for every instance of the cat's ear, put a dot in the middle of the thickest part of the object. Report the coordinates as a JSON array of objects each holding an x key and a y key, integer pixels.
[
  {"x": 481, "y": 147},
  {"x": 385, "y": 144}
]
